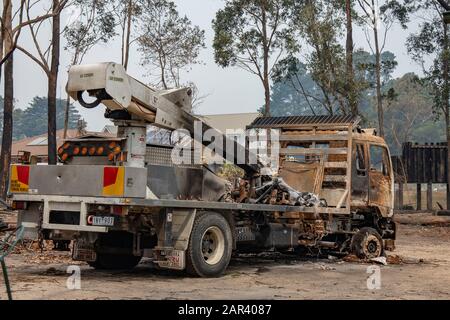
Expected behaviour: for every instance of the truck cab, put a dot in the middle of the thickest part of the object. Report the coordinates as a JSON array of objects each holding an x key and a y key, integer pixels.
[{"x": 348, "y": 167}]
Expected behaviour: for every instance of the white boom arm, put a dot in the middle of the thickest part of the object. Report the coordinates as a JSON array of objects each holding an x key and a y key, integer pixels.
[{"x": 112, "y": 86}]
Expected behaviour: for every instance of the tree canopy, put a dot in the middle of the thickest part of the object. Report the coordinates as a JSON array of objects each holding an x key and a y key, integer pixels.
[
  {"x": 32, "y": 120},
  {"x": 408, "y": 99},
  {"x": 168, "y": 42},
  {"x": 254, "y": 35}
]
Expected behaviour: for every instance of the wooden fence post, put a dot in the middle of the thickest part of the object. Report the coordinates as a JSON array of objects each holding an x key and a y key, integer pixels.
[
  {"x": 430, "y": 196},
  {"x": 419, "y": 197}
]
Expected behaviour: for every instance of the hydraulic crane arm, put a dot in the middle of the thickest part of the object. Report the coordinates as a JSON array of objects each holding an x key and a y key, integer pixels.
[{"x": 110, "y": 85}]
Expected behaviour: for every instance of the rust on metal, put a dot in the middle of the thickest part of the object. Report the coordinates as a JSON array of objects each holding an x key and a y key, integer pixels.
[{"x": 284, "y": 122}]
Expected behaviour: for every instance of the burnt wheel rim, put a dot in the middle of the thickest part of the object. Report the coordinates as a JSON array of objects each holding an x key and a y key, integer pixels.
[
  {"x": 213, "y": 245},
  {"x": 372, "y": 247}
]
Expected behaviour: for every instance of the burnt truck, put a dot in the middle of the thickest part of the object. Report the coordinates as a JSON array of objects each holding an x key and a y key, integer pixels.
[{"x": 120, "y": 199}]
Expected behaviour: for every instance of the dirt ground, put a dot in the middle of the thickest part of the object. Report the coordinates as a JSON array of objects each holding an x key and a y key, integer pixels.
[{"x": 420, "y": 270}]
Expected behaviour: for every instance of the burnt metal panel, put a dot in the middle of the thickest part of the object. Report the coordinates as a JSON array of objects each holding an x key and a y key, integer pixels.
[
  {"x": 277, "y": 122},
  {"x": 184, "y": 183},
  {"x": 360, "y": 177}
]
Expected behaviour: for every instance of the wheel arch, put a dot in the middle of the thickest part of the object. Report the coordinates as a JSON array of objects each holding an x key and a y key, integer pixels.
[
  {"x": 184, "y": 221},
  {"x": 228, "y": 215}
]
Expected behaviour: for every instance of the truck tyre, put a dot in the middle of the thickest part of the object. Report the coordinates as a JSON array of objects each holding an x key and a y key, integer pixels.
[
  {"x": 367, "y": 243},
  {"x": 210, "y": 246},
  {"x": 107, "y": 261}
]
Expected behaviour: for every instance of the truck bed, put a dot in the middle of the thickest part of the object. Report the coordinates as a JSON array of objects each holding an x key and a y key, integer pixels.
[{"x": 171, "y": 203}]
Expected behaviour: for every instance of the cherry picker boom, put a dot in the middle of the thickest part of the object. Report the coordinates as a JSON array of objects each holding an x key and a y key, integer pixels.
[{"x": 137, "y": 104}]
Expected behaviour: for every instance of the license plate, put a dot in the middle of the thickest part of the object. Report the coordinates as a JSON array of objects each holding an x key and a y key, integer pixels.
[
  {"x": 103, "y": 221},
  {"x": 173, "y": 259}
]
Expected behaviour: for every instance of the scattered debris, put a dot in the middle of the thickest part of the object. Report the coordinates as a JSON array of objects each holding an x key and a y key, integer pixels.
[
  {"x": 3, "y": 225},
  {"x": 262, "y": 270},
  {"x": 443, "y": 213},
  {"x": 332, "y": 258},
  {"x": 50, "y": 258},
  {"x": 390, "y": 259},
  {"x": 277, "y": 191},
  {"x": 380, "y": 260},
  {"x": 394, "y": 259},
  {"x": 8, "y": 220},
  {"x": 53, "y": 272},
  {"x": 351, "y": 258},
  {"x": 3, "y": 204},
  {"x": 325, "y": 267}
]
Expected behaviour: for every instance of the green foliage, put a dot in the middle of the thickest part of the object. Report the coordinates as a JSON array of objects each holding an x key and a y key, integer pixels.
[
  {"x": 409, "y": 113},
  {"x": 239, "y": 38},
  {"x": 32, "y": 120},
  {"x": 408, "y": 100},
  {"x": 168, "y": 42},
  {"x": 364, "y": 67},
  {"x": 321, "y": 24},
  {"x": 400, "y": 11},
  {"x": 295, "y": 91},
  {"x": 365, "y": 64},
  {"x": 231, "y": 172},
  {"x": 254, "y": 35},
  {"x": 429, "y": 43},
  {"x": 94, "y": 24},
  {"x": 389, "y": 12}
]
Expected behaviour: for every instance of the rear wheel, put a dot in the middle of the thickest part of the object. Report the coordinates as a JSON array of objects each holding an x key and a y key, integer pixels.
[
  {"x": 367, "y": 243},
  {"x": 210, "y": 246}
]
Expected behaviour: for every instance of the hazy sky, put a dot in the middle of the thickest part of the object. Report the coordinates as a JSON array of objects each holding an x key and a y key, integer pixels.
[{"x": 229, "y": 90}]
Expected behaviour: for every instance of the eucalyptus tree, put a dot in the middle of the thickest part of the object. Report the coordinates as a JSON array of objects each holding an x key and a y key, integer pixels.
[
  {"x": 254, "y": 35},
  {"x": 168, "y": 42}
]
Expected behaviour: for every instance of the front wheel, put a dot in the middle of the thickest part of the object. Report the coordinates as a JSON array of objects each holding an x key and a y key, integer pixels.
[
  {"x": 367, "y": 243},
  {"x": 210, "y": 246}
]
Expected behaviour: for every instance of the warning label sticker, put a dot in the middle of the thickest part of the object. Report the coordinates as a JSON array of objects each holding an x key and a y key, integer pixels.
[{"x": 20, "y": 176}]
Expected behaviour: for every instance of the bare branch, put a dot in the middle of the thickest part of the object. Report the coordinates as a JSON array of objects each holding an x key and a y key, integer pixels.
[
  {"x": 32, "y": 57},
  {"x": 444, "y": 4}
]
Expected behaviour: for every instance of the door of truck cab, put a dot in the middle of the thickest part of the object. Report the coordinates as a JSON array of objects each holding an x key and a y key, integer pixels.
[
  {"x": 380, "y": 178},
  {"x": 360, "y": 174}
]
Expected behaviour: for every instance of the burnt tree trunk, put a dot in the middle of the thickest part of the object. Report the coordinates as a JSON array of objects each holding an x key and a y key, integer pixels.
[
  {"x": 378, "y": 74},
  {"x": 127, "y": 40},
  {"x": 265, "y": 79},
  {"x": 351, "y": 94},
  {"x": 66, "y": 116},
  {"x": 2, "y": 33},
  {"x": 5, "y": 156},
  {"x": 445, "y": 99},
  {"x": 52, "y": 84},
  {"x": 267, "y": 96}
]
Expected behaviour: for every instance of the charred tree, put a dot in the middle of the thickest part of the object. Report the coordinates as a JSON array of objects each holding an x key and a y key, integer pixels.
[
  {"x": 5, "y": 156},
  {"x": 352, "y": 99}
]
